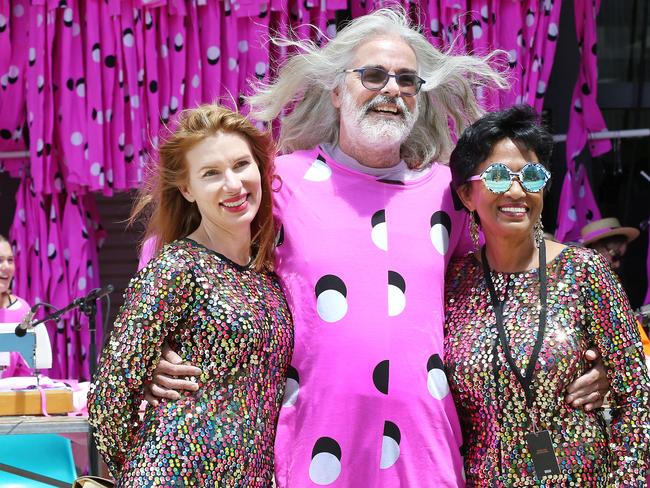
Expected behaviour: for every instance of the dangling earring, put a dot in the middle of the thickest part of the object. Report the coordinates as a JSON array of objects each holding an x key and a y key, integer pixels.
[
  {"x": 473, "y": 230},
  {"x": 538, "y": 231}
]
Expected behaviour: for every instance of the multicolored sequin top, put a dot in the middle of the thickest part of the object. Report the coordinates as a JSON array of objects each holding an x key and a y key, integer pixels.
[
  {"x": 586, "y": 306},
  {"x": 234, "y": 324}
]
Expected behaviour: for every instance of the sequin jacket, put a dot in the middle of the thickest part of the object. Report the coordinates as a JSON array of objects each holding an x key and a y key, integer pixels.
[
  {"x": 586, "y": 306},
  {"x": 234, "y": 324}
]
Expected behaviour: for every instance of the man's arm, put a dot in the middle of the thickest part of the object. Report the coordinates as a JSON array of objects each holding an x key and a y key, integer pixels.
[
  {"x": 589, "y": 390},
  {"x": 170, "y": 377}
]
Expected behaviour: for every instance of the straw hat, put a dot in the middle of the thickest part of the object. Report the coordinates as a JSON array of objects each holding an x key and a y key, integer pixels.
[{"x": 599, "y": 229}]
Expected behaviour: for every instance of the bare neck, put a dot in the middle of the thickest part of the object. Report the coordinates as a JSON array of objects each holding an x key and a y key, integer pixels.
[
  {"x": 236, "y": 246},
  {"x": 511, "y": 255},
  {"x": 378, "y": 156}
]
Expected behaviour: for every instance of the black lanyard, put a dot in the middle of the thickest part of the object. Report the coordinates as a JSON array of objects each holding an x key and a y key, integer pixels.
[{"x": 526, "y": 378}]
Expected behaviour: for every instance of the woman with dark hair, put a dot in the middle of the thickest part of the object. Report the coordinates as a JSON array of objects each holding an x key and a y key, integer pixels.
[
  {"x": 521, "y": 312},
  {"x": 211, "y": 294}
]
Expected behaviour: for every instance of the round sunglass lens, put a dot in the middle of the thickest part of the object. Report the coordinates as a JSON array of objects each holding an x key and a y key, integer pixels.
[
  {"x": 534, "y": 178},
  {"x": 497, "y": 178}
]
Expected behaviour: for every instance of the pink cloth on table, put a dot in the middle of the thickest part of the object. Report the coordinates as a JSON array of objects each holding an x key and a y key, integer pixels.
[{"x": 362, "y": 262}]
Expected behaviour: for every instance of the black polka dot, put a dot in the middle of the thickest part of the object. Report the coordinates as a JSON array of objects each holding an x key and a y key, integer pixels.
[
  {"x": 153, "y": 86},
  {"x": 109, "y": 61},
  {"x": 279, "y": 237},
  {"x": 380, "y": 376},
  {"x": 585, "y": 89},
  {"x": 5, "y": 133}
]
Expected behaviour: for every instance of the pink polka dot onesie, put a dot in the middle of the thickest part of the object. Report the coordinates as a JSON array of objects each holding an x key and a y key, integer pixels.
[{"x": 363, "y": 262}]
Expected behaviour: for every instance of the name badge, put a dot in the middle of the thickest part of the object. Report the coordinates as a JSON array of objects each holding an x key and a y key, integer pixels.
[{"x": 541, "y": 449}]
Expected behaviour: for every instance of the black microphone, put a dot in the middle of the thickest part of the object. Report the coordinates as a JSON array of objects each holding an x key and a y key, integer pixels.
[{"x": 26, "y": 323}]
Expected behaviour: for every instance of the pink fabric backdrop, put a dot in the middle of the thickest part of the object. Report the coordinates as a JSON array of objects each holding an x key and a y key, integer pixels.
[
  {"x": 94, "y": 82},
  {"x": 577, "y": 205}
]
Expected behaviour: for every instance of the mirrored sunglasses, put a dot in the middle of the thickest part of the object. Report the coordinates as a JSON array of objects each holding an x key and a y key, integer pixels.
[
  {"x": 498, "y": 178},
  {"x": 375, "y": 79}
]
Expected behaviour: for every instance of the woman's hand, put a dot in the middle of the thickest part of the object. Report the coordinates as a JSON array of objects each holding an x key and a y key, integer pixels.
[
  {"x": 589, "y": 390},
  {"x": 170, "y": 377}
]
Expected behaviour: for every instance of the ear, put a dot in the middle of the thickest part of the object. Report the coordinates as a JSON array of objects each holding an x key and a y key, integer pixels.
[
  {"x": 464, "y": 192},
  {"x": 185, "y": 191},
  {"x": 336, "y": 96}
]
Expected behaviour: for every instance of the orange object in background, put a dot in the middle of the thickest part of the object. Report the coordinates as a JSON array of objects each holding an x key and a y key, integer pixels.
[
  {"x": 28, "y": 402},
  {"x": 645, "y": 340}
]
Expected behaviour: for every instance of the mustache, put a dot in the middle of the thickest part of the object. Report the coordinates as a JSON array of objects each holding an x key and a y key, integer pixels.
[{"x": 386, "y": 100}]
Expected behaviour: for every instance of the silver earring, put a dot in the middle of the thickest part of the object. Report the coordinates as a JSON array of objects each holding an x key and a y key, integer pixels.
[
  {"x": 473, "y": 230},
  {"x": 538, "y": 231}
]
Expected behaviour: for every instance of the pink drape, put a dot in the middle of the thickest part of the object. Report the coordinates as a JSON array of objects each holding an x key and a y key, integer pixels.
[
  {"x": 92, "y": 84},
  {"x": 577, "y": 205}
]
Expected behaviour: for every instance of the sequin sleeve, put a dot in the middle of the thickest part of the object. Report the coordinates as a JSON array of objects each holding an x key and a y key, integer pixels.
[
  {"x": 613, "y": 329},
  {"x": 156, "y": 300}
]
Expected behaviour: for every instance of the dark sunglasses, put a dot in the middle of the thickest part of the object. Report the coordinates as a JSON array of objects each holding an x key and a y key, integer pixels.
[
  {"x": 498, "y": 178},
  {"x": 375, "y": 79}
]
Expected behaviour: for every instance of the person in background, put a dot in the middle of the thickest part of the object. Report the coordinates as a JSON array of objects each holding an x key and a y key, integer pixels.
[
  {"x": 521, "y": 311},
  {"x": 12, "y": 311},
  {"x": 212, "y": 295},
  {"x": 610, "y": 239}
]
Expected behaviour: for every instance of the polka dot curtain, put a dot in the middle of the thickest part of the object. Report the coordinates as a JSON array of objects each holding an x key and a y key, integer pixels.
[{"x": 88, "y": 86}]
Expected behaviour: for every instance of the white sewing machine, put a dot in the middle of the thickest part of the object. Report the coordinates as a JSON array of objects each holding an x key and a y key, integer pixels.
[{"x": 34, "y": 346}]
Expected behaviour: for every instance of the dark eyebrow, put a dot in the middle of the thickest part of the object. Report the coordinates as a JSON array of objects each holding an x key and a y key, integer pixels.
[{"x": 399, "y": 71}]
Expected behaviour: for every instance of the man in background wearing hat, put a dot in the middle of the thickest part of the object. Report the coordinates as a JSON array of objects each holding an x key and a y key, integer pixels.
[{"x": 610, "y": 239}]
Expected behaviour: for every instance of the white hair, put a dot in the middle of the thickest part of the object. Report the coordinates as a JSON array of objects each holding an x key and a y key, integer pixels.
[{"x": 305, "y": 82}]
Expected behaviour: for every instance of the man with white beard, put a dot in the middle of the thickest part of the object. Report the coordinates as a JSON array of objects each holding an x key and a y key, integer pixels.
[{"x": 369, "y": 224}]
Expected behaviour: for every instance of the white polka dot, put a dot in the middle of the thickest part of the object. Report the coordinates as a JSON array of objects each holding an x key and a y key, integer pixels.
[
  {"x": 535, "y": 65},
  {"x": 242, "y": 46},
  {"x": 76, "y": 30},
  {"x": 173, "y": 103},
  {"x": 40, "y": 81},
  {"x": 512, "y": 56},
  {"x": 134, "y": 101},
  {"x": 530, "y": 19},
  {"x": 95, "y": 169},
  {"x": 81, "y": 285},
  {"x": 39, "y": 20},
  {"x": 19, "y": 10},
  {"x": 196, "y": 80},
  {"x": 109, "y": 176},
  {"x": 541, "y": 86},
  {"x": 121, "y": 139},
  {"x": 51, "y": 249},
  {"x": 58, "y": 184},
  {"x": 81, "y": 89},
  {"x": 324, "y": 469},
  {"x": 213, "y": 53},
  {"x": 3, "y": 21},
  {"x": 331, "y": 306},
  {"x": 552, "y": 29},
  {"x": 68, "y": 14},
  {"x": 100, "y": 117},
  {"x": 260, "y": 68},
  {"x": 76, "y": 138},
  {"x": 437, "y": 383},
  {"x": 178, "y": 40},
  {"x": 440, "y": 238},
  {"x": 477, "y": 31},
  {"x": 164, "y": 112},
  {"x": 13, "y": 71},
  {"x": 66, "y": 254},
  {"x": 389, "y": 452},
  {"x": 582, "y": 191},
  {"x": 32, "y": 54},
  {"x": 90, "y": 272},
  {"x": 129, "y": 150},
  {"x": 573, "y": 217},
  {"x": 232, "y": 63},
  {"x": 163, "y": 50},
  {"x": 39, "y": 145},
  {"x": 291, "y": 391},
  {"x": 318, "y": 171},
  {"x": 396, "y": 301},
  {"x": 379, "y": 236},
  {"x": 21, "y": 214},
  {"x": 128, "y": 39},
  {"x": 96, "y": 55}
]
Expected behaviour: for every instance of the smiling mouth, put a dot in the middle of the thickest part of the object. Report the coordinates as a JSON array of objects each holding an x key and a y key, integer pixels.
[
  {"x": 231, "y": 203},
  {"x": 514, "y": 210},
  {"x": 386, "y": 110}
]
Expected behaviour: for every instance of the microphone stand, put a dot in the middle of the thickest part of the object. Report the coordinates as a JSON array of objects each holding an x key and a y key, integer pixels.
[{"x": 88, "y": 306}]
